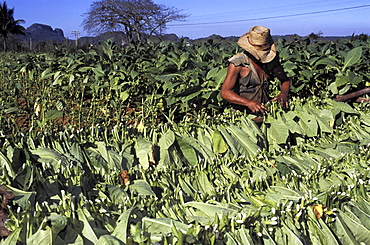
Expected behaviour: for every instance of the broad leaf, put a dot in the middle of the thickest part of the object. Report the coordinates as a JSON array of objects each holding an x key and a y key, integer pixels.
[
  {"x": 167, "y": 140},
  {"x": 87, "y": 230},
  {"x": 218, "y": 143},
  {"x": 163, "y": 226},
  {"x": 108, "y": 240},
  {"x": 144, "y": 151},
  {"x": 187, "y": 151},
  {"x": 122, "y": 225},
  {"x": 142, "y": 187},
  {"x": 278, "y": 131},
  {"x": 211, "y": 210},
  {"x": 352, "y": 57}
]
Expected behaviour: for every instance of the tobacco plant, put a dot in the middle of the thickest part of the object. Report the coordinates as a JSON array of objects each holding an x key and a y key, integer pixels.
[{"x": 133, "y": 145}]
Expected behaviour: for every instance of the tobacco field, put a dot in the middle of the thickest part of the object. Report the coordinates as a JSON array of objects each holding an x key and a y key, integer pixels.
[{"x": 134, "y": 145}]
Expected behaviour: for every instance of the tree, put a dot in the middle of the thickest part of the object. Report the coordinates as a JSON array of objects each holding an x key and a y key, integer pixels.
[
  {"x": 138, "y": 19},
  {"x": 315, "y": 36},
  {"x": 8, "y": 24}
]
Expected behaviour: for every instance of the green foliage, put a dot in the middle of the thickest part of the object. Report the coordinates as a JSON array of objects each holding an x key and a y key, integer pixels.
[{"x": 197, "y": 172}]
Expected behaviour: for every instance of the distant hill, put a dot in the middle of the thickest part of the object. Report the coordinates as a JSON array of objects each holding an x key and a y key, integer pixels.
[{"x": 40, "y": 32}]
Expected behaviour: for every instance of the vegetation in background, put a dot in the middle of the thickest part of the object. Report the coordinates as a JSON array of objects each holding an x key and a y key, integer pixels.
[
  {"x": 138, "y": 20},
  {"x": 133, "y": 145},
  {"x": 8, "y": 25}
]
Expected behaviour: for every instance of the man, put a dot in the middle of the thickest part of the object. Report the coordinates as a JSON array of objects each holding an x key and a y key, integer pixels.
[{"x": 246, "y": 82}]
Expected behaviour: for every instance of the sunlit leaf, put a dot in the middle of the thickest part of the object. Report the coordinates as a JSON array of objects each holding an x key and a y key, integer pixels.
[
  {"x": 108, "y": 240},
  {"x": 211, "y": 210},
  {"x": 352, "y": 57},
  {"x": 142, "y": 187},
  {"x": 143, "y": 152},
  {"x": 122, "y": 225},
  {"x": 218, "y": 143}
]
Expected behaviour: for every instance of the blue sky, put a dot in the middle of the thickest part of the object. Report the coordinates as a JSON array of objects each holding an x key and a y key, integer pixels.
[{"x": 225, "y": 18}]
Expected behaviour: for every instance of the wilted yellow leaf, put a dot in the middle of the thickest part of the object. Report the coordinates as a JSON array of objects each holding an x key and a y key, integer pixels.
[{"x": 318, "y": 209}]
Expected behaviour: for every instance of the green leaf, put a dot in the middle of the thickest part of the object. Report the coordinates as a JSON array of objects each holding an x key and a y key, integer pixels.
[
  {"x": 229, "y": 173},
  {"x": 185, "y": 187},
  {"x": 333, "y": 88},
  {"x": 167, "y": 140},
  {"x": 87, "y": 230},
  {"x": 53, "y": 114},
  {"x": 240, "y": 236},
  {"x": 308, "y": 123},
  {"x": 124, "y": 96},
  {"x": 266, "y": 237},
  {"x": 13, "y": 237},
  {"x": 291, "y": 237},
  {"x": 343, "y": 233},
  {"x": 326, "y": 61},
  {"x": 218, "y": 143},
  {"x": 352, "y": 57},
  {"x": 343, "y": 107},
  {"x": 244, "y": 139},
  {"x": 6, "y": 164},
  {"x": 163, "y": 226},
  {"x": 362, "y": 215},
  {"x": 212, "y": 73},
  {"x": 72, "y": 236},
  {"x": 292, "y": 125},
  {"x": 46, "y": 73},
  {"x": 108, "y": 240},
  {"x": 50, "y": 156},
  {"x": 49, "y": 230},
  {"x": 143, "y": 152},
  {"x": 278, "y": 131},
  {"x": 122, "y": 225},
  {"x": 24, "y": 199},
  {"x": 187, "y": 151},
  {"x": 41, "y": 237},
  {"x": 230, "y": 141},
  {"x": 245, "y": 237},
  {"x": 117, "y": 194},
  {"x": 102, "y": 149},
  {"x": 211, "y": 210},
  {"x": 142, "y": 187},
  {"x": 327, "y": 153},
  {"x": 321, "y": 230},
  {"x": 204, "y": 185},
  {"x": 341, "y": 80},
  {"x": 57, "y": 222},
  {"x": 325, "y": 119},
  {"x": 11, "y": 110},
  {"x": 360, "y": 232},
  {"x": 286, "y": 192},
  {"x": 231, "y": 239}
]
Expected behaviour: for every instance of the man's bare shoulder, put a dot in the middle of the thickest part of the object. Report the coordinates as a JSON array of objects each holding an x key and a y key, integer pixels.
[{"x": 239, "y": 59}]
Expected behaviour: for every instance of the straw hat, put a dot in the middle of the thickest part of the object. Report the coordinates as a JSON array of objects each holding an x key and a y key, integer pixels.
[{"x": 258, "y": 42}]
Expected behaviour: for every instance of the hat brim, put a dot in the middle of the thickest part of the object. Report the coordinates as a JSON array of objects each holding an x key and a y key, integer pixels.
[{"x": 266, "y": 55}]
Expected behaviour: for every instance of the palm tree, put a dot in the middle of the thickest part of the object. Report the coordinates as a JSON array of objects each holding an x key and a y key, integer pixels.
[{"x": 8, "y": 24}]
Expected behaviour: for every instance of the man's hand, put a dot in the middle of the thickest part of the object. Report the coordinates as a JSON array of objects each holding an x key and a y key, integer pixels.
[
  {"x": 256, "y": 107},
  {"x": 282, "y": 99}
]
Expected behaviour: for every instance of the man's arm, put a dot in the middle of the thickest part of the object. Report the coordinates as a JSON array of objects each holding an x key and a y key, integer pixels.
[{"x": 228, "y": 94}]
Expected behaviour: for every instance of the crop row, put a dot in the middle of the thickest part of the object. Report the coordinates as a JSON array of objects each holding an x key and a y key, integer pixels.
[{"x": 134, "y": 145}]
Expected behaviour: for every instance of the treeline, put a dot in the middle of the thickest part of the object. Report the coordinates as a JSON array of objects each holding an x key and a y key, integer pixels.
[{"x": 45, "y": 46}]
